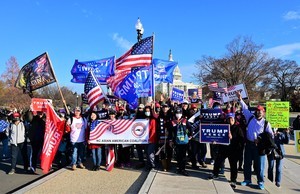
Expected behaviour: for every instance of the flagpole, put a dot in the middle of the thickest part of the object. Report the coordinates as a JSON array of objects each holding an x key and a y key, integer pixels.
[
  {"x": 153, "y": 80},
  {"x": 92, "y": 72},
  {"x": 61, "y": 94}
]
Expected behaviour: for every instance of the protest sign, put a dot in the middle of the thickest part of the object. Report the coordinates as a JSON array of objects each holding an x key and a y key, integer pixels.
[
  {"x": 231, "y": 96},
  {"x": 218, "y": 133},
  {"x": 40, "y": 104},
  {"x": 297, "y": 140},
  {"x": 211, "y": 115},
  {"x": 121, "y": 131},
  {"x": 277, "y": 113}
]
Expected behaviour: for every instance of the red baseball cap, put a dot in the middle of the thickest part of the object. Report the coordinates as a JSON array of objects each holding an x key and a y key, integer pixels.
[
  {"x": 259, "y": 107},
  {"x": 16, "y": 115}
]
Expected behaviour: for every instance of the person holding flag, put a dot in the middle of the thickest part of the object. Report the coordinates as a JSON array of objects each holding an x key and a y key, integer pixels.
[{"x": 95, "y": 148}]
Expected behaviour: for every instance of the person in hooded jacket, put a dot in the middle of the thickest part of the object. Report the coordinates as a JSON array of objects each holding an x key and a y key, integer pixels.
[{"x": 17, "y": 137}]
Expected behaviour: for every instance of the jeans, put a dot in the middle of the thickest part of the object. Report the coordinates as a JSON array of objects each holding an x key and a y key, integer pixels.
[
  {"x": 151, "y": 155},
  {"x": 36, "y": 147},
  {"x": 181, "y": 156},
  {"x": 199, "y": 151},
  {"x": 78, "y": 153},
  {"x": 14, "y": 155},
  {"x": 5, "y": 147},
  {"x": 97, "y": 156},
  {"x": 251, "y": 154},
  {"x": 278, "y": 168}
]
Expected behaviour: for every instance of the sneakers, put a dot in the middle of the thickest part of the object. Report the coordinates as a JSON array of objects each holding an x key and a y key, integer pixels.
[
  {"x": 12, "y": 171},
  {"x": 203, "y": 165},
  {"x": 73, "y": 167},
  {"x": 81, "y": 166},
  {"x": 212, "y": 162},
  {"x": 212, "y": 177},
  {"x": 5, "y": 158},
  {"x": 261, "y": 186},
  {"x": 245, "y": 183},
  {"x": 277, "y": 184},
  {"x": 184, "y": 173},
  {"x": 233, "y": 185}
]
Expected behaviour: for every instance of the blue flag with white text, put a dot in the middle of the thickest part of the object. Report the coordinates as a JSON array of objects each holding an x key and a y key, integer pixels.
[
  {"x": 177, "y": 95},
  {"x": 163, "y": 70},
  {"x": 102, "y": 68},
  {"x": 136, "y": 84}
]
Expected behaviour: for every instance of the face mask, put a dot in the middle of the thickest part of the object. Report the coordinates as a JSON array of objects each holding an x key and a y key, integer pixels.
[
  {"x": 147, "y": 114},
  {"x": 178, "y": 116}
]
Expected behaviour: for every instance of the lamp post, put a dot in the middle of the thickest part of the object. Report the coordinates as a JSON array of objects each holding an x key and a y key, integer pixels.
[
  {"x": 140, "y": 30},
  {"x": 77, "y": 99}
]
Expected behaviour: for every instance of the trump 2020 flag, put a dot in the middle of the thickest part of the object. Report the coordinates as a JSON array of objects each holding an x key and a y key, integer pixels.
[
  {"x": 35, "y": 74},
  {"x": 177, "y": 95},
  {"x": 163, "y": 70},
  {"x": 140, "y": 55},
  {"x": 93, "y": 90},
  {"x": 102, "y": 68},
  {"x": 53, "y": 134},
  {"x": 136, "y": 84}
]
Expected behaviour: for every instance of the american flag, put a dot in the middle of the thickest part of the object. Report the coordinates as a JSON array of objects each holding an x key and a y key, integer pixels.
[
  {"x": 110, "y": 158},
  {"x": 140, "y": 55},
  {"x": 116, "y": 127},
  {"x": 215, "y": 87},
  {"x": 93, "y": 90},
  {"x": 40, "y": 64}
]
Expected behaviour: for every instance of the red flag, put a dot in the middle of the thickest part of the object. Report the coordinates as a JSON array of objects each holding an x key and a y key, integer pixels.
[
  {"x": 53, "y": 135},
  {"x": 110, "y": 158}
]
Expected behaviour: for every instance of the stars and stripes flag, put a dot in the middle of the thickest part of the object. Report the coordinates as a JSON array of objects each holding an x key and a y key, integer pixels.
[
  {"x": 140, "y": 55},
  {"x": 53, "y": 135},
  {"x": 93, "y": 90},
  {"x": 218, "y": 87},
  {"x": 110, "y": 158}
]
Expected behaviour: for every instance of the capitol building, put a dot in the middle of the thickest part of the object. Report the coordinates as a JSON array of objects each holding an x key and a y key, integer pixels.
[{"x": 166, "y": 88}]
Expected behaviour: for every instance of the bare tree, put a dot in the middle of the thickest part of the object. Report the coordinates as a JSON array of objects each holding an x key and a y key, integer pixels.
[
  {"x": 244, "y": 62},
  {"x": 11, "y": 96},
  {"x": 283, "y": 78}
]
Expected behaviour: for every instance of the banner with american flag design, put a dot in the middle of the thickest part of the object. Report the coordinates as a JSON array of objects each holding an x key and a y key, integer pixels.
[
  {"x": 218, "y": 87},
  {"x": 53, "y": 135},
  {"x": 140, "y": 55},
  {"x": 92, "y": 90},
  {"x": 35, "y": 74},
  {"x": 121, "y": 131}
]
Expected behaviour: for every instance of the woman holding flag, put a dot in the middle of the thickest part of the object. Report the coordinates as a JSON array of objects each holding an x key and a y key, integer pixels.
[{"x": 95, "y": 148}]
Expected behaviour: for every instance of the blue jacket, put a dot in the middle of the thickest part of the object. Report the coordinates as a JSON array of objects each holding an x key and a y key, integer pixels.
[{"x": 281, "y": 138}]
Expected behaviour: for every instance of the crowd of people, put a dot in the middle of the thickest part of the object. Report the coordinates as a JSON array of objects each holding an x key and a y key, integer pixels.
[{"x": 172, "y": 135}]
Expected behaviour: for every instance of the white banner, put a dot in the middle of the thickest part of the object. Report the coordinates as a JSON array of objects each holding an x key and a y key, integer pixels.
[
  {"x": 121, "y": 131},
  {"x": 231, "y": 96}
]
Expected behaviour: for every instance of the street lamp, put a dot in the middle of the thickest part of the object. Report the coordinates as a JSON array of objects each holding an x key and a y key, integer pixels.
[
  {"x": 140, "y": 30},
  {"x": 77, "y": 99}
]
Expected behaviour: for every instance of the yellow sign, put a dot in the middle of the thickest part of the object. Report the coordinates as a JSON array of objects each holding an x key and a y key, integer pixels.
[
  {"x": 278, "y": 114},
  {"x": 297, "y": 140}
]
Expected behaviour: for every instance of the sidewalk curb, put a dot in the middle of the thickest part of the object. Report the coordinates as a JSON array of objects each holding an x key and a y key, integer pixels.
[
  {"x": 148, "y": 182},
  {"x": 40, "y": 181}
]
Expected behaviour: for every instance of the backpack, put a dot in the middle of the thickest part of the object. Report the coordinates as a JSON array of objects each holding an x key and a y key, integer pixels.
[{"x": 181, "y": 136}]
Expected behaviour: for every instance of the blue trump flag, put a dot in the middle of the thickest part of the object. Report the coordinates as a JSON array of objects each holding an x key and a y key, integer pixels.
[
  {"x": 163, "y": 70},
  {"x": 102, "y": 68},
  {"x": 136, "y": 84},
  {"x": 177, "y": 95}
]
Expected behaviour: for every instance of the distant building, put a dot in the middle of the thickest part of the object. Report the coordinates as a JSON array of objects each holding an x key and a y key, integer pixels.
[{"x": 166, "y": 88}]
